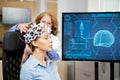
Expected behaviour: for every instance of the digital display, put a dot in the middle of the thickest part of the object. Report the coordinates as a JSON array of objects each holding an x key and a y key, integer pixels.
[{"x": 91, "y": 36}]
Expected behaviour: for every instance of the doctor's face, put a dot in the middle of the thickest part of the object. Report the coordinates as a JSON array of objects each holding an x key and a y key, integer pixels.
[{"x": 47, "y": 20}]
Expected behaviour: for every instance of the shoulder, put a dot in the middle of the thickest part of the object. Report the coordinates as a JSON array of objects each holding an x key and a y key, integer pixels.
[
  {"x": 26, "y": 72},
  {"x": 29, "y": 63},
  {"x": 27, "y": 66}
]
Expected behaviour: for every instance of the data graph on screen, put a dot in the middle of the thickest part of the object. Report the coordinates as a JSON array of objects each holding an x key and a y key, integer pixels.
[{"x": 91, "y": 36}]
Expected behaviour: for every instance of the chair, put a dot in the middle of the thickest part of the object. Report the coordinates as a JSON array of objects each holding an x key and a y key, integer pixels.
[{"x": 12, "y": 53}]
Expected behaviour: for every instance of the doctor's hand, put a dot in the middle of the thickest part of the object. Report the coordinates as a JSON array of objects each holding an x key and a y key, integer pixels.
[{"x": 23, "y": 27}]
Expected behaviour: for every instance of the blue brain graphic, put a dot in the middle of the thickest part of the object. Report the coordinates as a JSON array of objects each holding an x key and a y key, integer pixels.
[{"x": 103, "y": 38}]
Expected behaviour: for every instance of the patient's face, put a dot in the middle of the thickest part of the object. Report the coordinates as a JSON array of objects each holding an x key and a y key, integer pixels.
[{"x": 44, "y": 42}]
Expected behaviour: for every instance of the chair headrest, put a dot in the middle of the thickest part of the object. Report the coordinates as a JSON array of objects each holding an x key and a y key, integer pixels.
[{"x": 12, "y": 42}]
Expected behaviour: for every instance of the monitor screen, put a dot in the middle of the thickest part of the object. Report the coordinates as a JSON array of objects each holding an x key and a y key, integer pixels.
[
  {"x": 11, "y": 16},
  {"x": 91, "y": 36}
]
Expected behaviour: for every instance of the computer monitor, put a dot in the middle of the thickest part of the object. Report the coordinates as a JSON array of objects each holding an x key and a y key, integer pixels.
[
  {"x": 11, "y": 15},
  {"x": 91, "y": 36}
]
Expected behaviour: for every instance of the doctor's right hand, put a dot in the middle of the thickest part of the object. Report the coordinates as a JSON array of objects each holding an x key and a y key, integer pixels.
[{"x": 23, "y": 27}]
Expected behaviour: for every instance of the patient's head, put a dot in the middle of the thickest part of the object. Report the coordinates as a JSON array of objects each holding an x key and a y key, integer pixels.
[{"x": 38, "y": 37}]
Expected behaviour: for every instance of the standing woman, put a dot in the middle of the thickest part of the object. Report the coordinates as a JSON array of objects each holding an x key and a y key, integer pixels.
[{"x": 37, "y": 66}]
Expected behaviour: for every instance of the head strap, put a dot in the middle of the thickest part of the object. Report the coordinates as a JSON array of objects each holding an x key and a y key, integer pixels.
[{"x": 36, "y": 31}]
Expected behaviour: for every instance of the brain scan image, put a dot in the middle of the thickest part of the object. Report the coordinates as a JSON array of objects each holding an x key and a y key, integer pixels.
[{"x": 103, "y": 38}]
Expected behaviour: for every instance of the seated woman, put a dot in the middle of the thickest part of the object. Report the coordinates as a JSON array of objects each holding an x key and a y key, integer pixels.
[
  {"x": 48, "y": 19},
  {"x": 37, "y": 66}
]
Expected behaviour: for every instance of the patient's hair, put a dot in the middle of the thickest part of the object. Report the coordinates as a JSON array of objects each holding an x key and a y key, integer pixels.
[{"x": 27, "y": 52}]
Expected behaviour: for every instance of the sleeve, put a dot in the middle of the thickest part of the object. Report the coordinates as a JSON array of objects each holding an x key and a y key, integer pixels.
[
  {"x": 55, "y": 53},
  {"x": 13, "y": 28}
]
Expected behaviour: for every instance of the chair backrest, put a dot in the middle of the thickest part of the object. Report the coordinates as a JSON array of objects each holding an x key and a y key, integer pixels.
[{"x": 12, "y": 52}]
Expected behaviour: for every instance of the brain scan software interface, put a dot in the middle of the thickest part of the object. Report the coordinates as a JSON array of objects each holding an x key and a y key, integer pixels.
[{"x": 91, "y": 36}]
